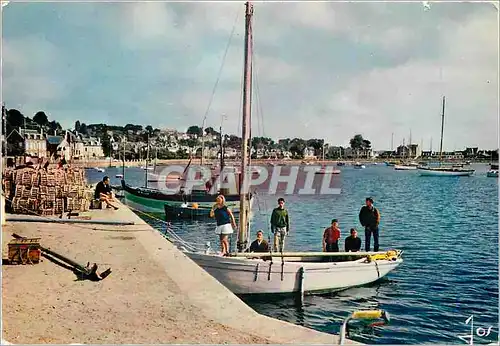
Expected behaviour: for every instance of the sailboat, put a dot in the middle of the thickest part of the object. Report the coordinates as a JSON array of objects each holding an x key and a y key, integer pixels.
[
  {"x": 324, "y": 168},
  {"x": 442, "y": 170},
  {"x": 407, "y": 166},
  {"x": 154, "y": 200},
  {"x": 293, "y": 272}
]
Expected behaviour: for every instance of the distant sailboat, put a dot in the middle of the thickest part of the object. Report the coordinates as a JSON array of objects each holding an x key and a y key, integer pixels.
[
  {"x": 441, "y": 170},
  {"x": 326, "y": 169}
]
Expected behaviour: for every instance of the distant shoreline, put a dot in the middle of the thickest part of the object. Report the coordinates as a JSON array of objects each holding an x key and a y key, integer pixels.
[{"x": 106, "y": 163}]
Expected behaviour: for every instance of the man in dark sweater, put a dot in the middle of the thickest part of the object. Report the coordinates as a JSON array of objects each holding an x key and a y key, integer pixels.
[
  {"x": 259, "y": 244},
  {"x": 103, "y": 193},
  {"x": 280, "y": 225},
  {"x": 369, "y": 217},
  {"x": 352, "y": 243}
]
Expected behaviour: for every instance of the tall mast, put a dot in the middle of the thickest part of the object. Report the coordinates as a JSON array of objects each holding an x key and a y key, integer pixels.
[
  {"x": 245, "y": 131},
  {"x": 409, "y": 150},
  {"x": 392, "y": 142},
  {"x": 221, "y": 150},
  {"x": 147, "y": 158},
  {"x": 442, "y": 130},
  {"x": 123, "y": 165},
  {"x": 202, "y": 141},
  {"x": 4, "y": 131}
]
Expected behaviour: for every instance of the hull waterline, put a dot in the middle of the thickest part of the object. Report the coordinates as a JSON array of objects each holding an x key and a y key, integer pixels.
[
  {"x": 155, "y": 201},
  {"x": 445, "y": 172}
]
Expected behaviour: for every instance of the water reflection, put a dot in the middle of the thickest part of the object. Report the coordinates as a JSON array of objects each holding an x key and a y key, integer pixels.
[{"x": 329, "y": 309}]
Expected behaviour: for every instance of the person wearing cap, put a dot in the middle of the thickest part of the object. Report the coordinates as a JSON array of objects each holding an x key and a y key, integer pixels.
[
  {"x": 369, "y": 217},
  {"x": 331, "y": 237}
]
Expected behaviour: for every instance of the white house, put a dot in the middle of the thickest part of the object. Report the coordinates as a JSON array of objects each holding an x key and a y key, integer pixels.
[
  {"x": 309, "y": 153},
  {"x": 92, "y": 148},
  {"x": 35, "y": 143}
]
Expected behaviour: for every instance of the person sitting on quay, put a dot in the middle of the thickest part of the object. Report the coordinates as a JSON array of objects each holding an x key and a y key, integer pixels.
[
  {"x": 353, "y": 242},
  {"x": 331, "y": 237},
  {"x": 259, "y": 244},
  {"x": 104, "y": 194}
]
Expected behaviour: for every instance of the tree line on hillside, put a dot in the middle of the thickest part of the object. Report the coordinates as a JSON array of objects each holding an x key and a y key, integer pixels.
[{"x": 138, "y": 133}]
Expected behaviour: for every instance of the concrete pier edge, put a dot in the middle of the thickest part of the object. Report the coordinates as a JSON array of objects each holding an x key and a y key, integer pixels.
[{"x": 197, "y": 287}]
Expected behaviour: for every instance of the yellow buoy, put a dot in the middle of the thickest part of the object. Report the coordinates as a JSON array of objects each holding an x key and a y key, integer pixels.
[{"x": 195, "y": 205}]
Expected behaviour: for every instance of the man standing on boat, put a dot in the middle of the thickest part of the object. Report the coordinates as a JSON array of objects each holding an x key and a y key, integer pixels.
[
  {"x": 280, "y": 225},
  {"x": 369, "y": 217}
]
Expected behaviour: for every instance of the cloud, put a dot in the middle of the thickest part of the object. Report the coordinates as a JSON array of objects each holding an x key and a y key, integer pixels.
[{"x": 325, "y": 70}]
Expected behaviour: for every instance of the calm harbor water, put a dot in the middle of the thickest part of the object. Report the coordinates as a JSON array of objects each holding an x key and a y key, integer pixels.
[{"x": 447, "y": 227}]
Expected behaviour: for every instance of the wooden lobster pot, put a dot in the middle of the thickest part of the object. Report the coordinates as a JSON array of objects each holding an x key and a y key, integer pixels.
[{"x": 24, "y": 251}]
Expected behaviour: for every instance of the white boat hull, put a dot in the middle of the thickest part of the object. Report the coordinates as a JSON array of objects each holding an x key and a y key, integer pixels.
[
  {"x": 445, "y": 172},
  {"x": 327, "y": 171},
  {"x": 404, "y": 168},
  {"x": 256, "y": 276}
]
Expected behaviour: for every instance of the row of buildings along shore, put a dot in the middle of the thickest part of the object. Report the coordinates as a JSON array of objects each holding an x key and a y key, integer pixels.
[{"x": 172, "y": 144}]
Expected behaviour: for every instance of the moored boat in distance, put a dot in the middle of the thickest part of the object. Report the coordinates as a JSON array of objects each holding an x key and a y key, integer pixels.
[
  {"x": 404, "y": 167},
  {"x": 493, "y": 172},
  {"x": 443, "y": 171},
  {"x": 358, "y": 165},
  {"x": 327, "y": 170}
]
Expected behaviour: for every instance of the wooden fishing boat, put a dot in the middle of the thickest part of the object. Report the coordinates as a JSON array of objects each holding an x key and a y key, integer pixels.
[
  {"x": 154, "y": 200},
  {"x": 296, "y": 272},
  {"x": 304, "y": 272}
]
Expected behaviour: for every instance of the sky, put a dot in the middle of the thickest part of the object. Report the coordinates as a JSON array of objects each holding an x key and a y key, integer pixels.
[{"x": 321, "y": 70}]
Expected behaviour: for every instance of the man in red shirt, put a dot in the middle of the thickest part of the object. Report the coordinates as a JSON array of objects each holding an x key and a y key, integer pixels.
[{"x": 331, "y": 237}]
